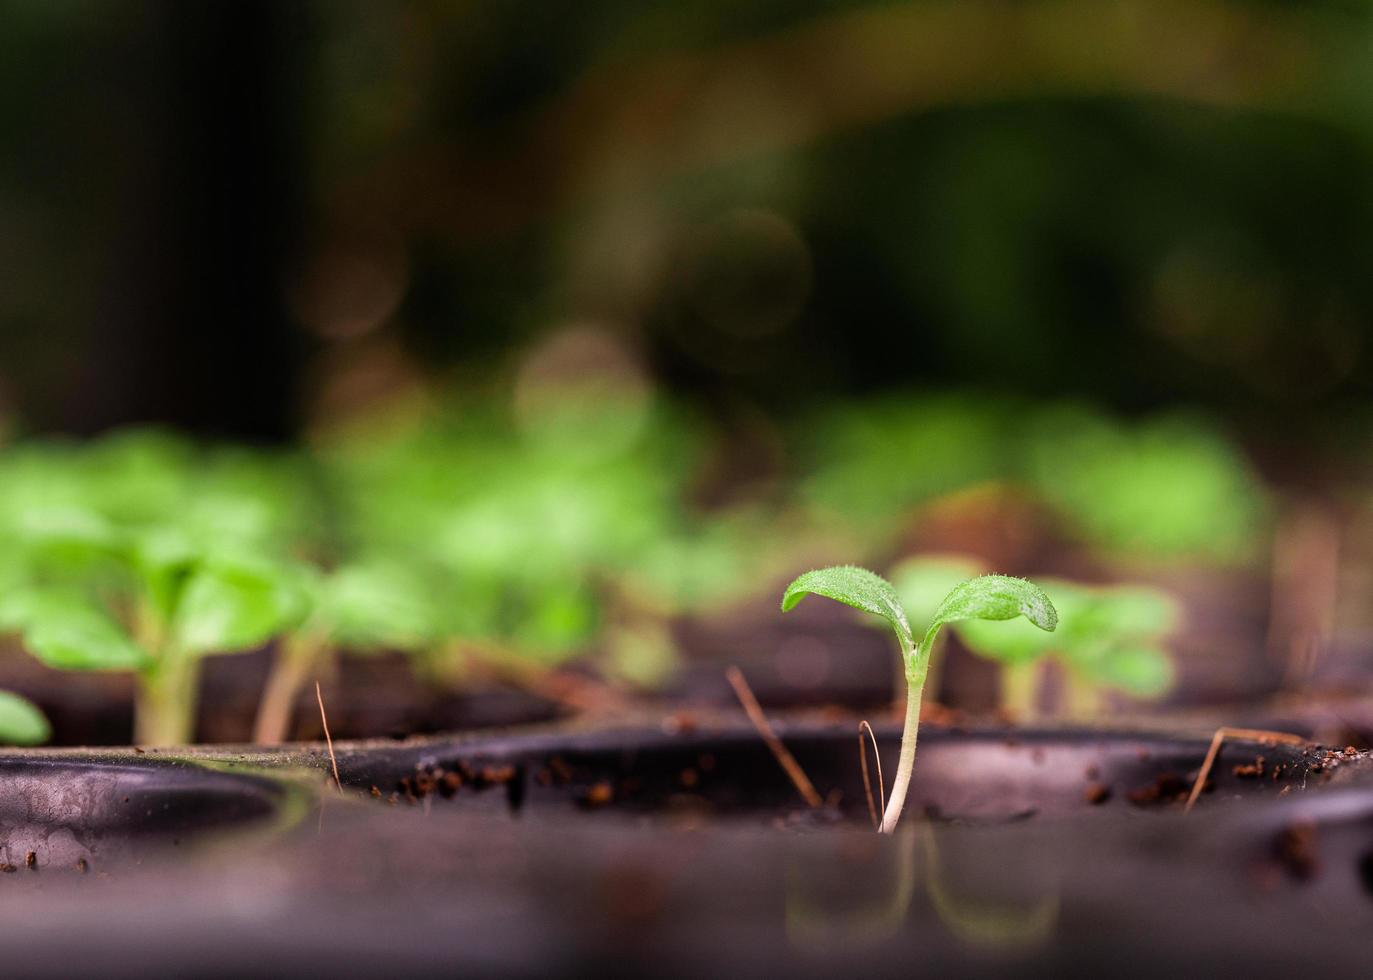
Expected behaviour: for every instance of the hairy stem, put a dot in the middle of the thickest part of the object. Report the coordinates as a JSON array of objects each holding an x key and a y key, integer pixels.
[
  {"x": 165, "y": 700},
  {"x": 906, "y": 763},
  {"x": 295, "y": 658}
]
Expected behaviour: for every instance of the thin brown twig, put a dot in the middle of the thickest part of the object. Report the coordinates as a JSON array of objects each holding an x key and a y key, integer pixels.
[
  {"x": 784, "y": 758},
  {"x": 1252, "y": 734},
  {"x": 873, "y": 812},
  {"x": 328, "y": 739}
]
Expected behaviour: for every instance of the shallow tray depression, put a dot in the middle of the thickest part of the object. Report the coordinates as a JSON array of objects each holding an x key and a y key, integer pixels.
[
  {"x": 974, "y": 777},
  {"x": 106, "y": 809}
]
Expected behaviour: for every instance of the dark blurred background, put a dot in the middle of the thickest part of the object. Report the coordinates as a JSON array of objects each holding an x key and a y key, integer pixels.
[{"x": 236, "y": 217}]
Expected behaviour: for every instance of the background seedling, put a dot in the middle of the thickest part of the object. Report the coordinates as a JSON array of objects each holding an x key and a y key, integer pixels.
[
  {"x": 991, "y": 597},
  {"x": 140, "y": 554},
  {"x": 362, "y": 607}
]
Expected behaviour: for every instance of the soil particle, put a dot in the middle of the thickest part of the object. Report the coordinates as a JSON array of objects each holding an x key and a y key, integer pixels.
[
  {"x": 680, "y": 723},
  {"x": 1350, "y": 751},
  {"x": 688, "y": 778},
  {"x": 376, "y": 793},
  {"x": 1252, "y": 770},
  {"x": 8, "y": 869},
  {"x": 449, "y": 784},
  {"x": 82, "y": 865},
  {"x": 1167, "y": 787},
  {"x": 1097, "y": 794},
  {"x": 31, "y": 860},
  {"x": 1296, "y": 849},
  {"x": 597, "y": 795},
  {"x": 494, "y": 775}
]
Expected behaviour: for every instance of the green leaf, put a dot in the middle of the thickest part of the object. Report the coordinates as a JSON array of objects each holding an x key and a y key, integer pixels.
[
  {"x": 21, "y": 723},
  {"x": 1142, "y": 672},
  {"x": 859, "y": 588},
  {"x": 231, "y": 606},
  {"x": 71, "y": 632},
  {"x": 993, "y": 597},
  {"x": 380, "y": 606}
]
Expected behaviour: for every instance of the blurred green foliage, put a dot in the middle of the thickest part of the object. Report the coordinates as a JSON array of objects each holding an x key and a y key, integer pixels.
[{"x": 1165, "y": 488}]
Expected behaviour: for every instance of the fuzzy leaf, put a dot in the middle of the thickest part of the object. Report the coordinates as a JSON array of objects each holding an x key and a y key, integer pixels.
[
  {"x": 21, "y": 723},
  {"x": 993, "y": 597},
  {"x": 856, "y": 587}
]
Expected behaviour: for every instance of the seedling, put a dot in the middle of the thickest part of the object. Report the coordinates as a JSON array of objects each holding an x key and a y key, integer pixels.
[
  {"x": 21, "y": 723},
  {"x": 990, "y": 597},
  {"x": 136, "y": 555},
  {"x": 362, "y": 607}
]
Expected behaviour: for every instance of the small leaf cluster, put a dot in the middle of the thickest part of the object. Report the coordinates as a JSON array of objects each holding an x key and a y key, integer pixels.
[
  {"x": 137, "y": 543},
  {"x": 1167, "y": 488}
]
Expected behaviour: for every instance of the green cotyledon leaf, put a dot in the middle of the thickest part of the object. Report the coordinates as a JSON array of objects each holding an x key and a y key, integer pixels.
[
  {"x": 229, "y": 606},
  {"x": 994, "y": 597},
  {"x": 21, "y": 723},
  {"x": 859, "y": 588},
  {"x": 70, "y": 631}
]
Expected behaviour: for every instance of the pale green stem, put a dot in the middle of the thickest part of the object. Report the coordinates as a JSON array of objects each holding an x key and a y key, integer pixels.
[
  {"x": 295, "y": 659},
  {"x": 906, "y": 762},
  {"x": 165, "y": 700}
]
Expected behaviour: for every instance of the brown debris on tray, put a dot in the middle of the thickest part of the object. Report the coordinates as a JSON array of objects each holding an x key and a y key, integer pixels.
[
  {"x": 1097, "y": 793},
  {"x": 1296, "y": 848},
  {"x": 1167, "y": 787}
]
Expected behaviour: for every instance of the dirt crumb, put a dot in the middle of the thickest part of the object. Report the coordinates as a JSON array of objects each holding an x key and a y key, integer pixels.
[
  {"x": 31, "y": 860},
  {"x": 1251, "y": 770},
  {"x": 82, "y": 865},
  {"x": 1097, "y": 794},
  {"x": 8, "y": 869},
  {"x": 598, "y": 794},
  {"x": 1167, "y": 787}
]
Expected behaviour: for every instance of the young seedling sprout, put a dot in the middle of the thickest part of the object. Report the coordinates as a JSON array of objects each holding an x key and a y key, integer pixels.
[{"x": 994, "y": 597}]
